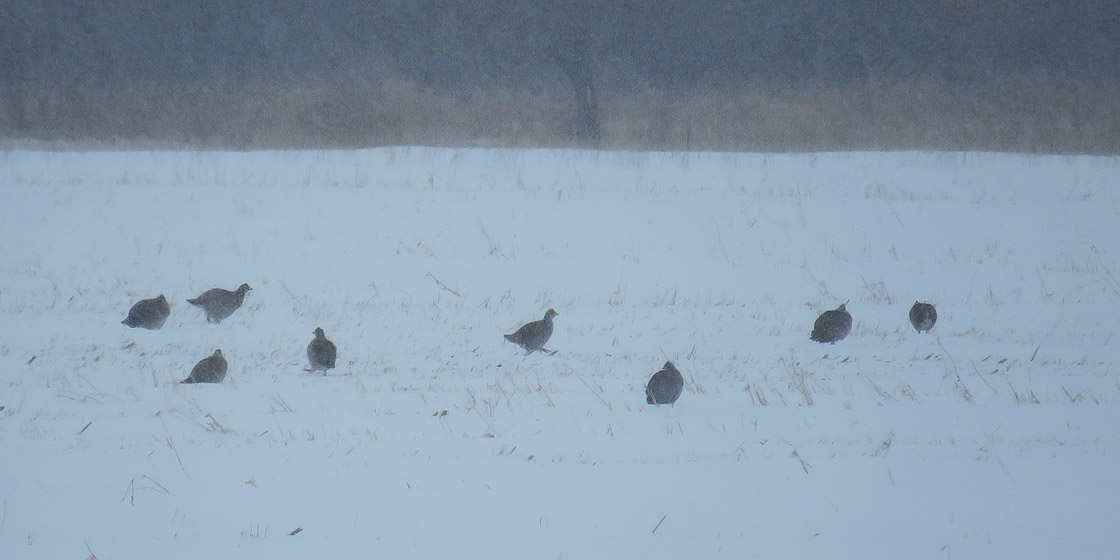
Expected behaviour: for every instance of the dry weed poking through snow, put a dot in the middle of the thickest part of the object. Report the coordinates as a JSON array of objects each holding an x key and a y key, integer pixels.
[{"x": 991, "y": 435}]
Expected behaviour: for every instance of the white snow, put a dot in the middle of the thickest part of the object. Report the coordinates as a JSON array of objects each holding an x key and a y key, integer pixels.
[{"x": 994, "y": 436}]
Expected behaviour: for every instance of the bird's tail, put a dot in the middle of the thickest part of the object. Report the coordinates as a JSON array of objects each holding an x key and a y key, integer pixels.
[
  {"x": 188, "y": 380},
  {"x": 509, "y": 337},
  {"x": 193, "y": 301}
]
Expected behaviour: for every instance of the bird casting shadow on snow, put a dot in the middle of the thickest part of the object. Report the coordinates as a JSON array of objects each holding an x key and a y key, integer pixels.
[
  {"x": 533, "y": 336},
  {"x": 148, "y": 313},
  {"x": 219, "y": 304},
  {"x": 321, "y": 352},
  {"x": 832, "y": 326}
]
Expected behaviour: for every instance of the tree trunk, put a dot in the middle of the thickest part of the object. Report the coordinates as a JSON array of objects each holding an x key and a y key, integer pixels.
[{"x": 572, "y": 52}]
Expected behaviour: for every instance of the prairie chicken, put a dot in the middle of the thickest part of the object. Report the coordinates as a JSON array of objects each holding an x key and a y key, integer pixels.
[
  {"x": 533, "y": 336},
  {"x": 923, "y": 316},
  {"x": 832, "y": 325},
  {"x": 148, "y": 313},
  {"x": 211, "y": 369},
  {"x": 219, "y": 304},
  {"x": 321, "y": 352},
  {"x": 665, "y": 386}
]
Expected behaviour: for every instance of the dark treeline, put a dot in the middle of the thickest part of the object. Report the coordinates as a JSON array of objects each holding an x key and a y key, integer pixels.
[{"x": 578, "y": 72}]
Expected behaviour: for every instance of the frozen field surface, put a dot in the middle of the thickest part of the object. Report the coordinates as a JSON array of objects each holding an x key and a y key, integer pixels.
[{"x": 996, "y": 435}]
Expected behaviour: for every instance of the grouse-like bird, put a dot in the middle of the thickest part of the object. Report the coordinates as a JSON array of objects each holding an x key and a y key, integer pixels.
[
  {"x": 321, "y": 352},
  {"x": 832, "y": 325},
  {"x": 211, "y": 369},
  {"x": 148, "y": 313},
  {"x": 533, "y": 336},
  {"x": 219, "y": 303},
  {"x": 923, "y": 316},
  {"x": 665, "y": 386}
]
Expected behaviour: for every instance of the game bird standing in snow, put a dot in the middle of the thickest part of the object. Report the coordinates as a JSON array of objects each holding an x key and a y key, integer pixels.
[
  {"x": 923, "y": 316},
  {"x": 321, "y": 352},
  {"x": 533, "y": 336},
  {"x": 665, "y": 386},
  {"x": 219, "y": 304},
  {"x": 832, "y": 325},
  {"x": 148, "y": 313},
  {"x": 211, "y": 369}
]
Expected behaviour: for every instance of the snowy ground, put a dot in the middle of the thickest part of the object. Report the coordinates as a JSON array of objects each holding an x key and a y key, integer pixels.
[{"x": 995, "y": 436}]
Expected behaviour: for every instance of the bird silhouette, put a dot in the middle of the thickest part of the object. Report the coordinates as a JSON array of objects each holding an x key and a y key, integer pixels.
[
  {"x": 832, "y": 325},
  {"x": 665, "y": 386},
  {"x": 148, "y": 313},
  {"x": 219, "y": 304},
  {"x": 321, "y": 352},
  {"x": 211, "y": 369},
  {"x": 923, "y": 316},
  {"x": 533, "y": 336}
]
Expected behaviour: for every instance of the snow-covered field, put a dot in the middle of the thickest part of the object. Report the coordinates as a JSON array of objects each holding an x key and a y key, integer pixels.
[{"x": 997, "y": 435}]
